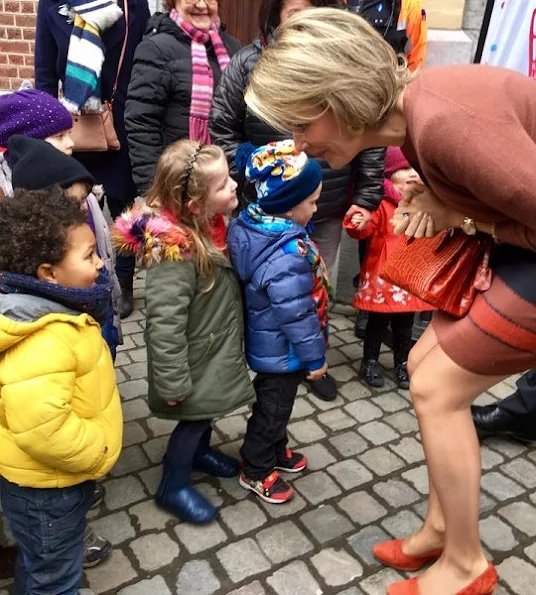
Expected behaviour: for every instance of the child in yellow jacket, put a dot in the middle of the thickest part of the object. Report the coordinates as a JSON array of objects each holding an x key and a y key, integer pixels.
[{"x": 60, "y": 413}]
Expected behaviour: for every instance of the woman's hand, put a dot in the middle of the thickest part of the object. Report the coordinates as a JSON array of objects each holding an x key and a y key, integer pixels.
[
  {"x": 421, "y": 214},
  {"x": 360, "y": 216}
]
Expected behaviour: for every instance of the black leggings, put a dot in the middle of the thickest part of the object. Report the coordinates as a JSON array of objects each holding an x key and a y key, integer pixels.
[{"x": 401, "y": 325}]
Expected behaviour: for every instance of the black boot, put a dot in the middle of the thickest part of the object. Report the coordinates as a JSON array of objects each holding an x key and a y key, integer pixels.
[
  {"x": 401, "y": 376},
  {"x": 361, "y": 324},
  {"x": 371, "y": 373},
  {"x": 491, "y": 420},
  {"x": 212, "y": 461},
  {"x": 124, "y": 303},
  {"x": 325, "y": 388}
]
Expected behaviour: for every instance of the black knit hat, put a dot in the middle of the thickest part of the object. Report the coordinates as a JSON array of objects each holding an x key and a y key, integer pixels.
[{"x": 37, "y": 165}]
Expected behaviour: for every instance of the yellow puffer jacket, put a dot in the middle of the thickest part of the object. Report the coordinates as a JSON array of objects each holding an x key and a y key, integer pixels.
[{"x": 60, "y": 412}]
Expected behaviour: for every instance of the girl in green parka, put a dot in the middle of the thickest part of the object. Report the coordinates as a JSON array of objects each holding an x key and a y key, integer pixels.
[{"x": 194, "y": 334}]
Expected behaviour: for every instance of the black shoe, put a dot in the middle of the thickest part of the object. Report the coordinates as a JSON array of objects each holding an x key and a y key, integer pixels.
[
  {"x": 491, "y": 420},
  {"x": 371, "y": 373},
  {"x": 98, "y": 495},
  {"x": 401, "y": 375},
  {"x": 361, "y": 321},
  {"x": 325, "y": 388},
  {"x": 124, "y": 303}
]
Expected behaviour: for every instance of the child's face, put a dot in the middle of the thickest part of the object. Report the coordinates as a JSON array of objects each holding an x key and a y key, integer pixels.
[
  {"x": 303, "y": 213},
  {"x": 81, "y": 266},
  {"x": 405, "y": 177},
  {"x": 78, "y": 191},
  {"x": 221, "y": 198},
  {"x": 62, "y": 141}
]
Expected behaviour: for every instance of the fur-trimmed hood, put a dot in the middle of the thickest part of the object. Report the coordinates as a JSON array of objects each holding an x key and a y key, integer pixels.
[{"x": 152, "y": 235}]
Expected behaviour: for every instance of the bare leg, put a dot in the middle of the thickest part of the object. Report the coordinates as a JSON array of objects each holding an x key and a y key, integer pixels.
[{"x": 442, "y": 393}]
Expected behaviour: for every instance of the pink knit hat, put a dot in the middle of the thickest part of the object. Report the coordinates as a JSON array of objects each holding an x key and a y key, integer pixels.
[{"x": 395, "y": 160}]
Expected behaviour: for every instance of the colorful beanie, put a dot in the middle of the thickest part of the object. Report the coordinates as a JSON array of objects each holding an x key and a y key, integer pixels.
[
  {"x": 32, "y": 113},
  {"x": 283, "y": 177},
  {"x": 394, "y": 161}
]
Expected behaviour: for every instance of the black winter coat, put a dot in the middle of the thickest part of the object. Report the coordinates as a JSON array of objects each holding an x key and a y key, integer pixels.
[
  {"x": 159, "y": 95},
  {"x": 231, "y": 124}
]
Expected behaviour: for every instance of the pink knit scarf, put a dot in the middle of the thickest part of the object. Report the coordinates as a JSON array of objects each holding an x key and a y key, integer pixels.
[{"x": 202, "y": 76}]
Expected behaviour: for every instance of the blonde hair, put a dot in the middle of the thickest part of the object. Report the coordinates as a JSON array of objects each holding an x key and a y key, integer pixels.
[
  {"x": 327, "y": 60},
  {"x": 183, "y": 174}
]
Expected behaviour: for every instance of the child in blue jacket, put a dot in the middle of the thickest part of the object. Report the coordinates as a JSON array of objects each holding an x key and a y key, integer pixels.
[{"x": 286, "y": 290}]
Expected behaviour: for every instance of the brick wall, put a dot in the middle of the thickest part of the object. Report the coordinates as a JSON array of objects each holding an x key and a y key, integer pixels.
[{"x": 17, "y": 35}]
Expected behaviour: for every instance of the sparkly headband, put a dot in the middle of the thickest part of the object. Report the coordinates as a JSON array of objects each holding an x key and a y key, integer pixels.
[{"x": 188, "y": 171}]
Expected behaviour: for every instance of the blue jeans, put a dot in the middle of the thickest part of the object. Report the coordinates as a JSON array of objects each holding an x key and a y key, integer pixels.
[{"x": 48, "y": 526}]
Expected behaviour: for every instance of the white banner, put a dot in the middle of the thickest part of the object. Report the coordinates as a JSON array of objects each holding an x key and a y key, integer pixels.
[{"x": 511, "y": 38}]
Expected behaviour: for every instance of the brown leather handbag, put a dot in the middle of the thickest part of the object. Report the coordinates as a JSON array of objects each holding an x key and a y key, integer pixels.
[
  {"x": 446, "y": 271},
  {"x": 95, "y": 131}
]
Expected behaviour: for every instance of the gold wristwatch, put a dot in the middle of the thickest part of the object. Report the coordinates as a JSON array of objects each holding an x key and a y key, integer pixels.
[{"x": 469, "y": 226}]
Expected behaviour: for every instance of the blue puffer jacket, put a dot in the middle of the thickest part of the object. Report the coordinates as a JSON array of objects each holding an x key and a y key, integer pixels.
[{"x": 283, "y": 331}]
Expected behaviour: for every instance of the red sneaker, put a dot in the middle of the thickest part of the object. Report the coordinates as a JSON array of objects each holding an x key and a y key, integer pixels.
[
  {"x": 294, "y": 462},
  {"x": 271, "y": 489}
]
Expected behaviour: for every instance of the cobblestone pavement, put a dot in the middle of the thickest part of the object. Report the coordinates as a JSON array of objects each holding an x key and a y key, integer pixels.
[{"x": 366, "y": 482}]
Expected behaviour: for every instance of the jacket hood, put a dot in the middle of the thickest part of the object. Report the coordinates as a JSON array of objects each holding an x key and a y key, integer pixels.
[
  {"x": 151, "y": 235},
  {"x": 22, "y": 315},
  {"x": 252, "y": 243},
  {"x": 392, "y": 194}
]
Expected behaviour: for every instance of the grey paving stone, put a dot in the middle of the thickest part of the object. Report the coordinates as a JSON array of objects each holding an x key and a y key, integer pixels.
[
  {"x": 530, "y": 552},
  {"x": 161, "y": 427},
  {"x": 335, "y": 358},
  {"x": 129, "y": 328},
  {"x": 151, "y": 479},
  {"x": 155, "y": 586},
  {"x": 501, "y": 390},
  {"x": 232, "y": 427},
  {"x": 354, "y": 352},
  {"x": 154, "y": 551},
  {"x": 490, "y": 458},
  {"x": 113, "y": 573},
  {"x": 139, "y": 338},
  {"x": 418, "y": 477},
  {"x": 133, "y": 433},
  {"x": 243, "y": 517},
  {"x": 302, "y": 408},
  {"x": 350, "y": 473},
  {"x": 306, "y": 431},
  {"x": 362, "y": 542},
  {"x": 199, "y": 538},
  {"x": 197, "y": 578},
  {"x": 336, "y": 567},
  {"x": 521, "y": 471},
  {"x": 132, "y": 389},
  {"x": 294, "y": 579},
  {"x": 497, "y": 535},
  {"x": 349, "y": 444},
  {"x": 317, "y": 487},
  {"x": 337, "y": 403},
  {"x": 136, "y": 409},
  {"x": 285, "y": 510},
  {"x": 342, "y": 373},
  {"x": 508, "y": 448},
  {"x": 119, "y": 376},
  {"x": 402, "y": 422},
  {"x": 138, "y": 355},
  {"x": 519, "y": 575},
  {"x": 341, "y": 323},
  {"x": 363, "y": 411},
  {"x": 378, "y": 583},
  {"x": 409, "y": 449},
  {"x": 210, "y": 493},
  {"x": 116, "y": 527},
  {"x": 123, "y": 492},
  {"x": 254, "y": 588},
  {"x": 233, "y": 488},
  {"x": 131, "y": 460},
  {"x": 135, "y": 371},
  {"x": 122, "y": 359},
  {"x": 362, "y": 508},
  {"x": 325, "y": 523},
  {"x": 348, "y": 336},
  {"x": 390, "y": 402},
  {"x": 243, "y": 559},
  {"x": 150, "y": 517},
  {"x": 156, "y": 448},
  {"x": 351, "y": 591},
  {"x": 522, "y": 516},
  {"x": 283, "y": 542},
  {"x": 378, "y": 432},
  {"x": 352, "y": 391},
  {"x": 318, "y": 456},
  {"x": 336, "y": 420},
  {"x": 501, "y": 487},
  {"x": 128, "y": 343},
  {"x": 403, "y": 524},
  {"x": 396, "y": 493},
  {"x": 381, "y": 461}
]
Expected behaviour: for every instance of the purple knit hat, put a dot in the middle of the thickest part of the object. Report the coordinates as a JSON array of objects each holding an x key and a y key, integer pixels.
[{"x": 31, "y": 113}]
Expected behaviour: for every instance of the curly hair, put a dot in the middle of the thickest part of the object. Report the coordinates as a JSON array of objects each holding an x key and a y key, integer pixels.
[{"x": 34, "y": 229}]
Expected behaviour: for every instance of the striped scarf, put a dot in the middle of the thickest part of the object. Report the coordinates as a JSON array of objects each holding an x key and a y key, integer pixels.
[
  {"x": 202, "y": 76},
  {"x": 85, "y": 56}
]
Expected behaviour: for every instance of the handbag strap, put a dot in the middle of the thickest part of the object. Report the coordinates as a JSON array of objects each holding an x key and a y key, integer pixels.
[{"x": 123, "y": 50}]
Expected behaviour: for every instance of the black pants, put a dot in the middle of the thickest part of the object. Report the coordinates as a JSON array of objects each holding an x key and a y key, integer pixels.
[
  {"x": 266, "y": 435},
  {"x": 401, "y": 325},
  {"x": 522, "y": 404},
  {"x": 124, "y": 265}
]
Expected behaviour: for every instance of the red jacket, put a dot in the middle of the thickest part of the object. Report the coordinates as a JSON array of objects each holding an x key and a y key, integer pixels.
[{"x": 373, "y": 293}]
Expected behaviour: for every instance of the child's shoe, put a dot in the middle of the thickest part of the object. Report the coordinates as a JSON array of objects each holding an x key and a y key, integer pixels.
[
  {"x": 217, "y": 463},
  {"x": 371, "y": 373},
  {"x": 294, "y": 462},
  {"x": 271, "y": 489},
  {"x": 96, "y": 549},
  {"x": 402, "y": 376},
  {"x": 324, "y": 388},
  {"x": 98, "y": 495}
]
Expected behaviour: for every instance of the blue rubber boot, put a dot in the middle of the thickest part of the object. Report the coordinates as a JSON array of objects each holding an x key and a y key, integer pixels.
[
  {"x": 211, "y": 461},
  {"x": 175, "y": 494}
]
